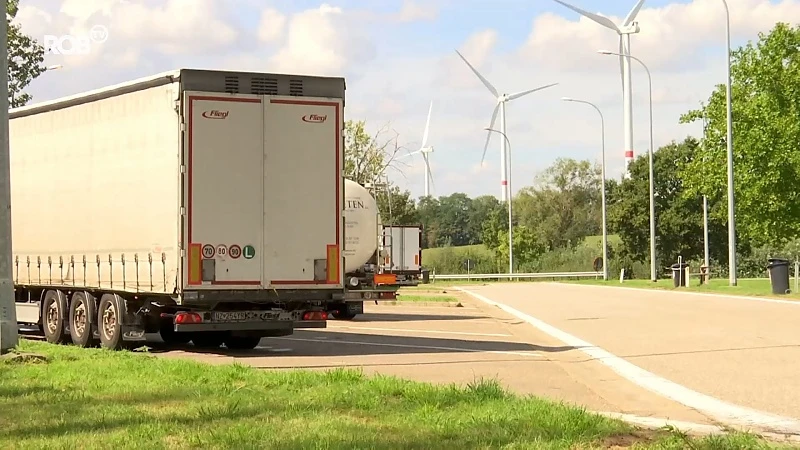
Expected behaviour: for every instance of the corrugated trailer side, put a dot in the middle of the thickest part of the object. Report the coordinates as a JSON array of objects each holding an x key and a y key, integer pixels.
[{"x": 95, "y": 193}]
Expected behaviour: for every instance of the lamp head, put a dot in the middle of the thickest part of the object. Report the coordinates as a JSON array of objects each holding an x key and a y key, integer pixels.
[
  {"x": 605, "y": 52},
  {"x": 568, "y": 99}
]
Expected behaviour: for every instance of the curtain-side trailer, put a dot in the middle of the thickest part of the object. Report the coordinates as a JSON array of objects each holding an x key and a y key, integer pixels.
[{"x": 205, "y": 205}]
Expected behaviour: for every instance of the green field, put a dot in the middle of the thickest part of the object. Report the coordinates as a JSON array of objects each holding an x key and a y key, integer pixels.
[
  {"x": 755, "y": 287},
  {"x": 451, "y": 260},
  {"x": 426, "y": 297},
  {"x": 93, "y": 398}
]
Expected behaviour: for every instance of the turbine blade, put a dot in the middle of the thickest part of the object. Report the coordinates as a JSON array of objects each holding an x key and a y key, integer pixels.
[
  {"x": 427, "y": 127},
  {"x": 633, "y": 13},
  {"x": 489, "y": 133},
  {"x": 523, "y": 93},
  {"x": 409, "y": 154},
  {"x": 483, "y": 80},
  {"x": 604, "y": 21},
  {"x": 429, "y": 171}
]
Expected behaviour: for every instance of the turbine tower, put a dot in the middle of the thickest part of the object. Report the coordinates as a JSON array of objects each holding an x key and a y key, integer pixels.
[
  {"x": 425, "y": 150},
  {"x": 624, "y": 30},
  {"x": 502, "y": 99}
]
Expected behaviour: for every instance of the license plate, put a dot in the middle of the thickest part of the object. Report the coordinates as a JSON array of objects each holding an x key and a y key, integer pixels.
[{"x": 245, "y": 316}]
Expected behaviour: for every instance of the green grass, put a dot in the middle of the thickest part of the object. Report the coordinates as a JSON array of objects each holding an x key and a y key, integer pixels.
[
  {"x": 93, "y": 398},
  {"x": 426, "y": 298},
  {"x": 476, "y": 251},
  {"x": 754, "y": 287}
]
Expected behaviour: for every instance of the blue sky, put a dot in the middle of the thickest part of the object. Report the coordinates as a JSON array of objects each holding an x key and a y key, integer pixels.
[{"x": 396, "y": 65}]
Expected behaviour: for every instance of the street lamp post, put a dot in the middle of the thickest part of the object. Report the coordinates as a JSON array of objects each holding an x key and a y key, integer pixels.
[
  {"x": 509, "y": 197},
  {"x": 653, "y": 277},
  {"x": 731, "y": 203},
  {"x": 603, "y": 180},
  {"x": 9, "y": 337}
]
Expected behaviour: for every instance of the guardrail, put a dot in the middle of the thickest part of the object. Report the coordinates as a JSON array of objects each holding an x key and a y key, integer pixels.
[{"x": 508, "y": 276}]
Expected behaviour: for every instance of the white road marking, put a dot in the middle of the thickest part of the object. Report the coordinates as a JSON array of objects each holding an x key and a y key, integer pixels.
[
  {"x": 698, "y": 294},
  {"x": 430, "y": 347},
  {"x": 408, "y": 330},
  {"x": 720, "y": 410}
]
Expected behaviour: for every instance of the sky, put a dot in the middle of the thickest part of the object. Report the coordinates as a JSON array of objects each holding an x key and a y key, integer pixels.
[{"x": 398, "y": 56}]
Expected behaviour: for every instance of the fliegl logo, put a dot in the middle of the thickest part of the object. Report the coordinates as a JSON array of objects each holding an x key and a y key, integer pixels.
[
  {"x": 215, "y": 114},
  {"x": 314, "y": 118}
]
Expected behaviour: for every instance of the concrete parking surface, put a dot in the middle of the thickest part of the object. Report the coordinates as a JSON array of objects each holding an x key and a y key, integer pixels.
[
  {"x": 449, "y": 344},
  {"x": 742, "y": 352}
]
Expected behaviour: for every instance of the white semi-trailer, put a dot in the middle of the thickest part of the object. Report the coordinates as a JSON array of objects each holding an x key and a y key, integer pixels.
[
  {"x": 378, "y": 259},
  {"x": 205, "y": 205}
]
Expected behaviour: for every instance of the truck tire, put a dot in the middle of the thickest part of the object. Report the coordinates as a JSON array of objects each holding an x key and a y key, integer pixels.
[
  {"x": 208, "y": 339},
  {"x": 54, "y": 310},
  {"x": 242, "y": 342},
  {"x": 82, "y": 309},
  {"x": 109, "y": 322}
]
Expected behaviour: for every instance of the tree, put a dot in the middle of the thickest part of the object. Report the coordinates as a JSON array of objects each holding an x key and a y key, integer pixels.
[
  {"x": 527, "y": 247},
  {"x": 453, "y": 219},
  {"x": 427, "y": 212},
  {"x": 25, "y": 58},
  {"x": 766, "y": 132},
  {"x": 396, "y": 207},
  {"x": 679, "y": 215},
  {"x": 563, "y": 206},
  {"x": 483, "y": 208},
  {"x": 366, "y": 157}
]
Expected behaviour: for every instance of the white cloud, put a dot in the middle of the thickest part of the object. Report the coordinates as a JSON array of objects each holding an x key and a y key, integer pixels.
[
  {"x": 271, "y": 26},
  {"x": 412, "y": 11},
  {"x": 322, "y": 41},
  {"x": 682, "y": 43},
  {"x": 671, "y": 36}
]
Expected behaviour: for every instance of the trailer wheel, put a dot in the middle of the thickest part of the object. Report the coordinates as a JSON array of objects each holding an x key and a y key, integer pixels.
[
  {"x": 208, "y": 339},
  {"x": 242, "y": 342},
  {"x": 343, "y": 315},
  {"x": 109, "y": 322},
  {"x": 54, "y": 308},
  {"x": 171, "y": 337},
  {"x": 82, "y": 309}
]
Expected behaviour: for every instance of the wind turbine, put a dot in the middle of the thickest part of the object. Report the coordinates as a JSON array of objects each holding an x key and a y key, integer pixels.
[
  {"x": 624, "y": 30},
  {"x": 425, "y": 150},
  {"x": 502, "y": 99}
]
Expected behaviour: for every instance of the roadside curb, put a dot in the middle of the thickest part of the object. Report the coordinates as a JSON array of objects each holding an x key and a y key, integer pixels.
[
  {"x": 701, "y": 294},
  {"x": 692, "y": 428}
]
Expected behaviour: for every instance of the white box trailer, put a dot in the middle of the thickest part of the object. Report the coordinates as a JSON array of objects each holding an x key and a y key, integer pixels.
[
  {"x": 203, "y": 204},
  {"x": 402, "y": 249}
]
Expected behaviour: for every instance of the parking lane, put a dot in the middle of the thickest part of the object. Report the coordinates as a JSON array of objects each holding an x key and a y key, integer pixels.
[{"x": 738, "y": 351}]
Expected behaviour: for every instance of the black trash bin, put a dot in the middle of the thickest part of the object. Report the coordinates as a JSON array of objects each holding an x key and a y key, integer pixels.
[
  {"x": 426, "y": 276},
  {"x": 679, "y": 274},
  {"x": 779, "y": 275}
]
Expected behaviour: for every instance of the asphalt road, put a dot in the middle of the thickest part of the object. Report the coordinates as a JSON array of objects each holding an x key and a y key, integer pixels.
[{"x": 743, "y": 352}]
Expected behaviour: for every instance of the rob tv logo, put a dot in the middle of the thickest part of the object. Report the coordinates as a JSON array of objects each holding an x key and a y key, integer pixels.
[{"x": 68, "y": 44}]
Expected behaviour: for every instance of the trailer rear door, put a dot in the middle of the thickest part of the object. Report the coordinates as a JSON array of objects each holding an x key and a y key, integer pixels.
[
  {"x": 224, "y": 190},
  {"x": 264, "y": 192},
  {"x": 303, "y": 193},
  {"x": 405, "y": 248}
]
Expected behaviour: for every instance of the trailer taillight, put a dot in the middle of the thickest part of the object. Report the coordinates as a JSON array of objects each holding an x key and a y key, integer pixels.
[
  {"x": 188, "y": 317},
  {"x": 315, "y": 315}
]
